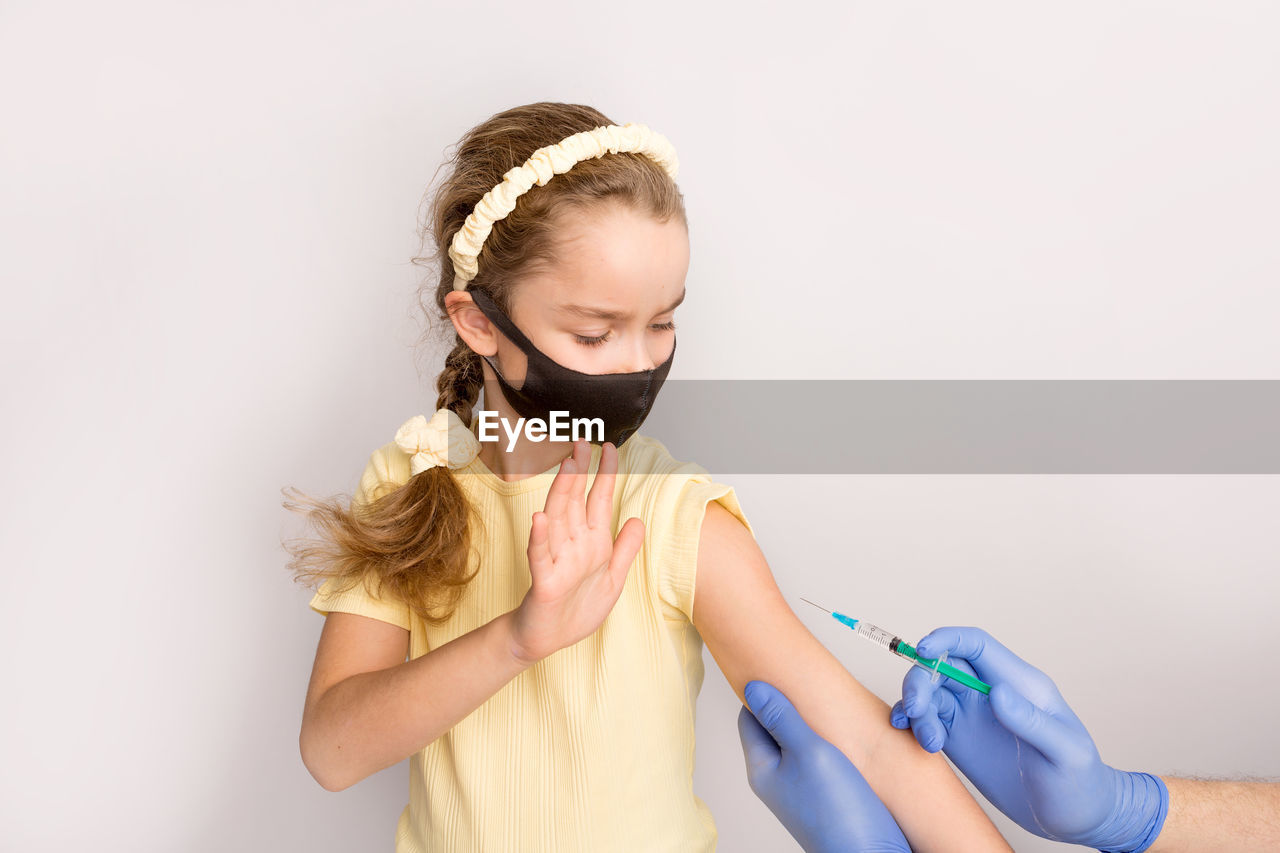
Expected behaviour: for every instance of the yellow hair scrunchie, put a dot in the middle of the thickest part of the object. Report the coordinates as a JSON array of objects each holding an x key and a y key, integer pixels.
[{"x": 444, "y": 441}]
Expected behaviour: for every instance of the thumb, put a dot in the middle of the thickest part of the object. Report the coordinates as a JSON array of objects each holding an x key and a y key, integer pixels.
[
  {"x": 778, "y": 716},
  {"x": 1017, "y": 714},
  {"x": 758, "y": 746}
]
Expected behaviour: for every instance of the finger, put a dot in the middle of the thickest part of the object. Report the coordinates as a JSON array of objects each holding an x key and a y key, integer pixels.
[
  {"x": 558, "y": 493},
  {"x": 600, "y": 500},
  {"x": 577, "y": 515},
  {"x": 928, "y": 729},
  {"x": 945, "y": 703},
  {"x": 897, "y": 718},
  {"x": 920, "y": 707},
  {"x": 1051, "y": 736},
  {"x": 989, "y": 658},
  {"x": 557, "y": 503},
  {"x": 779, "y": 717},
  {"x": 625, "y": 548},
  {"x": 917, "y": 692},
  {"x": 758, "y": 746},
  {"x": 539, "y": 550}
]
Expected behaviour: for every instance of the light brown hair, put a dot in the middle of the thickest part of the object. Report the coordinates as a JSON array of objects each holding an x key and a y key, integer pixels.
[{"x": 414, "y": 540}]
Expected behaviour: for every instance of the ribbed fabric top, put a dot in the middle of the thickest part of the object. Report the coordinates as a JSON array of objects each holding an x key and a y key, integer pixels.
[{"x": 592, "y": 748}]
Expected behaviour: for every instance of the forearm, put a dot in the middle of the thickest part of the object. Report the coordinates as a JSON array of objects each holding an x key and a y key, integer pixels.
[
  {"x": 927, "y": 799},
  {"x": 754, "y": 635},
  {"x": 373, "y": 720},
  {"x": 1220, "y": 815}
]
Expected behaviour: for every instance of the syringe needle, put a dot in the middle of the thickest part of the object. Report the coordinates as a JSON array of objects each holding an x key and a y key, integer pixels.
[{"x": 807, "y": 601}]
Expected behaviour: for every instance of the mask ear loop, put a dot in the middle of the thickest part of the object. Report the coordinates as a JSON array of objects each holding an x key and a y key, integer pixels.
[{"x": 499, "y": 319}]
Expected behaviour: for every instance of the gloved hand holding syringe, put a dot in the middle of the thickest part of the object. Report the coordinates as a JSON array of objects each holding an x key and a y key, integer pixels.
[{"x": 901, "y": 648}]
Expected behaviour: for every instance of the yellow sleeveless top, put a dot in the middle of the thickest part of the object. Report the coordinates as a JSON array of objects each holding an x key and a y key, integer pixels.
[{"x": 592, "y": 748}]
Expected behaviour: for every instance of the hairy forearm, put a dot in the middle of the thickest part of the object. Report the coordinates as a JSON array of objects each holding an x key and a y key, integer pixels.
[
  {"x": 370, "y": 721},
  {"x": 1220, "y": 815}
]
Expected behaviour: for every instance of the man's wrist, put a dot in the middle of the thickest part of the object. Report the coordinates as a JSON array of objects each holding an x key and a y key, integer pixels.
[{"x": 1144, "y": 797}]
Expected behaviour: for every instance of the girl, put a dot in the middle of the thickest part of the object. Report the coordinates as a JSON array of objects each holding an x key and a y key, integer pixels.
[{"x": 553, "y": 615}]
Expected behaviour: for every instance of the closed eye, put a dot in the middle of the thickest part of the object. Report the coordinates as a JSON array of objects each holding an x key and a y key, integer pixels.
[
  {"x": 592, "y": 342},
  {"x": 668, "y": 326}
]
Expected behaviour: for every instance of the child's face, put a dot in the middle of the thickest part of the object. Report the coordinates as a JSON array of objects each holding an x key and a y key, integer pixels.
[
  {"x": 612, "y": 261},
  {"x": 609, "y": 304}
]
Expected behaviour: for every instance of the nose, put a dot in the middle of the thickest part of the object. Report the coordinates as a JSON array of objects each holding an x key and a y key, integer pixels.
[{"x": 638, "y": 359}]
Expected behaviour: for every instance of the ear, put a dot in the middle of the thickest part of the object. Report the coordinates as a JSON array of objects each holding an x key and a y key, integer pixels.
[{"x": 471, "y": 324}]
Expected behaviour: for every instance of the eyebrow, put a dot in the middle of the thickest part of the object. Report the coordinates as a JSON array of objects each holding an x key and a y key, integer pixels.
[{"x": 602, "y": 314}]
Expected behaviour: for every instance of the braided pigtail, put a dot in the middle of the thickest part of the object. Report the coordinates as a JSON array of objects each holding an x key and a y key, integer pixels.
[{"x": 460, "y": 382}]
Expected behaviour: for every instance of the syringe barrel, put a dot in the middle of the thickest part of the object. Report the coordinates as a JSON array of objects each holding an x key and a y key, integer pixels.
[
  {"x": 896, "y": 645},
  {"x": 879, "y": 636}
]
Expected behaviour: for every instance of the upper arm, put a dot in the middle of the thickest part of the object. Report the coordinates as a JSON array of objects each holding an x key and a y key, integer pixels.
[
  {"x": 349, "y": 645},
  {"x": 753, "y": 634}
]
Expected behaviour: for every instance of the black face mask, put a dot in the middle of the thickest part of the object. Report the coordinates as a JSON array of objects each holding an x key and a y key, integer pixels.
[{"x": 621, "y": 400}]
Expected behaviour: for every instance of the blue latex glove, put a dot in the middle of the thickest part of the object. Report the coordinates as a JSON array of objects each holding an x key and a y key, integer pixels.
[
  {"x": 1025, "y": 749},
  {"x": 808, "y": 783}
]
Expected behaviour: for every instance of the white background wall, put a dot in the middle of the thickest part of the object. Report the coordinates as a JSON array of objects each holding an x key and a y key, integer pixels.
[{"x": 208, "y": 211}]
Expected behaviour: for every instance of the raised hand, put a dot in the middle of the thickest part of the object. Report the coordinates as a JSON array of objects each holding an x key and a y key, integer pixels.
[{"x": 578, "y": 569}]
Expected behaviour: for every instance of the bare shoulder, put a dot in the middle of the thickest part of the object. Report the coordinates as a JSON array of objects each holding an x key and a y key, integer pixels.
[{"x": 734, "y": 581}]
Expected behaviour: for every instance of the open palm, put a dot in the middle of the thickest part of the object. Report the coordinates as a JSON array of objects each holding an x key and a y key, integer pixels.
[{"x": 578, "y": 569}]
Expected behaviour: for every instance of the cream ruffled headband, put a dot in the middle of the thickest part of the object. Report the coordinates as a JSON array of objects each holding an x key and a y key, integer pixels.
[
  {"x": 538, "y": 169},
  {"x": 443, "y": 441}
]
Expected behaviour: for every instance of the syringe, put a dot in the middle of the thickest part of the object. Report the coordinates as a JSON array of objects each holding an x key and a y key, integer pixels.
[{"x": 901, "y": 648}]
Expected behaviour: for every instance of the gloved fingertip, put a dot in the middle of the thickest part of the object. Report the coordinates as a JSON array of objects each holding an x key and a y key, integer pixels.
[
  {"x": 937, "y": 738},
  {"x": 931, "y": 644},
  {"x": 927, "y": 736},
  {"x": 752, "y": 692}
]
